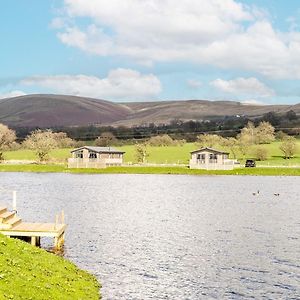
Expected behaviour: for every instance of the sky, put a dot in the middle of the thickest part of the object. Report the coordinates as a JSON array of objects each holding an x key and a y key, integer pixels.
[{"x": 147, "y": 50}]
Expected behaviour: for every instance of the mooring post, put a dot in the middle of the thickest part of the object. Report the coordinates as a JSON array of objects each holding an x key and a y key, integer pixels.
[
  {"x": 14, "y": 204},
  {"x": 33, "y": 240}
]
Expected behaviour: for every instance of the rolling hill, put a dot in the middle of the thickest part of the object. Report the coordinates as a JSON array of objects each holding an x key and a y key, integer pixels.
[{"x": 62, "y": 110}]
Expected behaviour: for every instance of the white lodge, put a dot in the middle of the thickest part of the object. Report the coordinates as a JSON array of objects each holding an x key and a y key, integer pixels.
[
  {"x": 95, "y": 157},
  {"x": 211, "y": 159}
]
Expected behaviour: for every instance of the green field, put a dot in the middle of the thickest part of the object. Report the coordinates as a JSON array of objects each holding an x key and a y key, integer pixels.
[
  {"x": 28, "y": 272},
  {"x": 162, "y": 155}
]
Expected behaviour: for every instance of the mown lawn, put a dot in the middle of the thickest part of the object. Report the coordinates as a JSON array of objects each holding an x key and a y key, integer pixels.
[
  {"x": 150, "y": 170},
  {"x": 28, "y": 272},
  {"x": 162, "y": 155}
]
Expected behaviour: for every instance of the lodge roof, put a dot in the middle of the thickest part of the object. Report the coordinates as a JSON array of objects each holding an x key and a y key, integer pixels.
[
  {"x": 209, "y": 150},
  {"x": 99, "y": 149}
]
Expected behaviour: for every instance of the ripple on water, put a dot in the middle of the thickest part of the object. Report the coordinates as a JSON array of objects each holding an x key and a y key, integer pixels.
[{"x": 174, "y": 237}]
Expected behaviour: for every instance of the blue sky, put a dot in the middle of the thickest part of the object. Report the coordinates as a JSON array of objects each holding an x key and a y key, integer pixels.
[{"x": 133, "y": 50}]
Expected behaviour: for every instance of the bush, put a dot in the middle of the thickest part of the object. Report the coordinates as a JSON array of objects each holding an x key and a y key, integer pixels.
[
  {"x": 106, "y": 139},
  {"x": 161, "y": 141},
  {"x": 261, "y": 153},
  {"x": 288, "y": 147},
  {"x": 63, "y": 141}
]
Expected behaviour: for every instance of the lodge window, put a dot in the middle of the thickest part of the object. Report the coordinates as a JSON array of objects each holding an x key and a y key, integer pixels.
[
  {"x": 213, "y": 158},
  {"x": 93, "y": 155},
  {"x": 79, "y": 154},
  {"x": 201, "y": 158}
]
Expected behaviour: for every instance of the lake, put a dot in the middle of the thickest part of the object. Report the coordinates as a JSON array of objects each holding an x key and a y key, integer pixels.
[{"x": 174, "y": 237}]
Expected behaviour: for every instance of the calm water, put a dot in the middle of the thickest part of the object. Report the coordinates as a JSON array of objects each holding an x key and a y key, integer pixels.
[{"x": 174, "y": 237}]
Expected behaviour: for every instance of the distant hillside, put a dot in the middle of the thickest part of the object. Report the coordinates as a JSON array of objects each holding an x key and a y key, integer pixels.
[{"x": 60, "y": 110}]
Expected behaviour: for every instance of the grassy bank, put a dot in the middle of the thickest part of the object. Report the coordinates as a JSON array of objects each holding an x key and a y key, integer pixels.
[
  {"x": 28, "y": 272},
  {"x": 162, "y": 155},
  {"x": 268, "y": 171}
]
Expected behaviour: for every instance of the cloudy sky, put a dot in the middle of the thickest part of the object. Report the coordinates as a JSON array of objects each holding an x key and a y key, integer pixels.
[{"x": 128, "y": 50}]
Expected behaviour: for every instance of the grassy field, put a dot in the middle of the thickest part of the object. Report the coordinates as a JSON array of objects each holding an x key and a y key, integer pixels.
[
  {"x": 281, "y": 171},
  {"x": 28, "y": 272},
  {"x": 162, "y": 155}
]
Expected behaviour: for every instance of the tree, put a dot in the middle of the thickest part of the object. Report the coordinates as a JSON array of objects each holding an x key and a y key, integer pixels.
[
  {"x": 208, "y": 140},
  {"x": 291, "y": 115},
  {"x": 141, "y": 152},
  {"x": 232, "y": 144},
  {"x": 247, "y": 135},
  {"x": 261, "y": 153},
  {"x": 161, "y": 141},
  {"x": 288, "y": 147},
  {"x": 42, "y": 142},
  {"x": 246, "y": 139},
  {"x": 264, "y": 133},
  {"x": 106, "y": 139},
  {"x": 63, "y": 141},
  {"x": 272, "y": 118},
  {"x": 280, "y": 135},
  {"x": 7, "y": 138}
]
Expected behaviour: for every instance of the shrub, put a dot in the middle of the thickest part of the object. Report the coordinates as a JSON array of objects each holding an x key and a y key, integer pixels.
[
  {"x": 261, "y": 153},
  {"x": 161, "y": 140}
]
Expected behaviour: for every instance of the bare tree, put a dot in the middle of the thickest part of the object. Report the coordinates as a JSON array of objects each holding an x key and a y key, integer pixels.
[
  {"x": 42, "y": 142},
  {"x": 7, "y": 138},
  {"x": 288, "y": 147}
]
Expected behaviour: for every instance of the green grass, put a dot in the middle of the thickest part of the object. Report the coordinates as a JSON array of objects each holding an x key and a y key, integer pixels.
[
  {"x": 161, "y": 155},
  {"x": 151, "y": 170},
  {"x": 27, "y": 272}
]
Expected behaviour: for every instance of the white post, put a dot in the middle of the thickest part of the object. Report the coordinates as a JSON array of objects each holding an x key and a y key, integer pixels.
[{"x": 14, "y": 206}]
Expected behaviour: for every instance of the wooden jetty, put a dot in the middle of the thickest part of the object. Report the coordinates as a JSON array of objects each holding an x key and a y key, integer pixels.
[{"x": 11, "y": 225}]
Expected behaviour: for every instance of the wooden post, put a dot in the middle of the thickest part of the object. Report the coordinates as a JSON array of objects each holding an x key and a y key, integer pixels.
[
  {"x": 33, "y": 240},
  {"x": 14, "y": 205}
]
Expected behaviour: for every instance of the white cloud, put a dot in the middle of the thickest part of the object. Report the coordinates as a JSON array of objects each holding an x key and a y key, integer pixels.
[
  {"x": 194, "y": 84},
  {"x": 57, "y": 23},
  {"x": 12, "y": 94},
  {"x": 222, "y": 33},
  {"x": 120, "y": 84},
  {"x": 243, "y": 86}
]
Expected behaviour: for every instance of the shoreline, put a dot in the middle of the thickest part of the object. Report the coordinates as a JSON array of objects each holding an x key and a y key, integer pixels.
[
  {"x": 29, "y": 272},
  {"x": 171, "y": 170}
]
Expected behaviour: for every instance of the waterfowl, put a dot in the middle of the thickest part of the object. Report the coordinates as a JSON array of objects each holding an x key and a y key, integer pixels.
[
  {"x": 276, "y": 194},
  {"x": 257, "y": 193}
]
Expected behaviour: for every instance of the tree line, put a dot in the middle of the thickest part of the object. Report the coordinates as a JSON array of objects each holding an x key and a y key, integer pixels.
[
  {"x": 249, "y": 141},
  {"x": 177, "y": 129}
]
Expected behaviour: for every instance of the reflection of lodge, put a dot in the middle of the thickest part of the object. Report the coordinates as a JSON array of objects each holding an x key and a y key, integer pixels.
[
  {"x": 210, "y": 159},
  {"x": 95, "y": 157}
]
